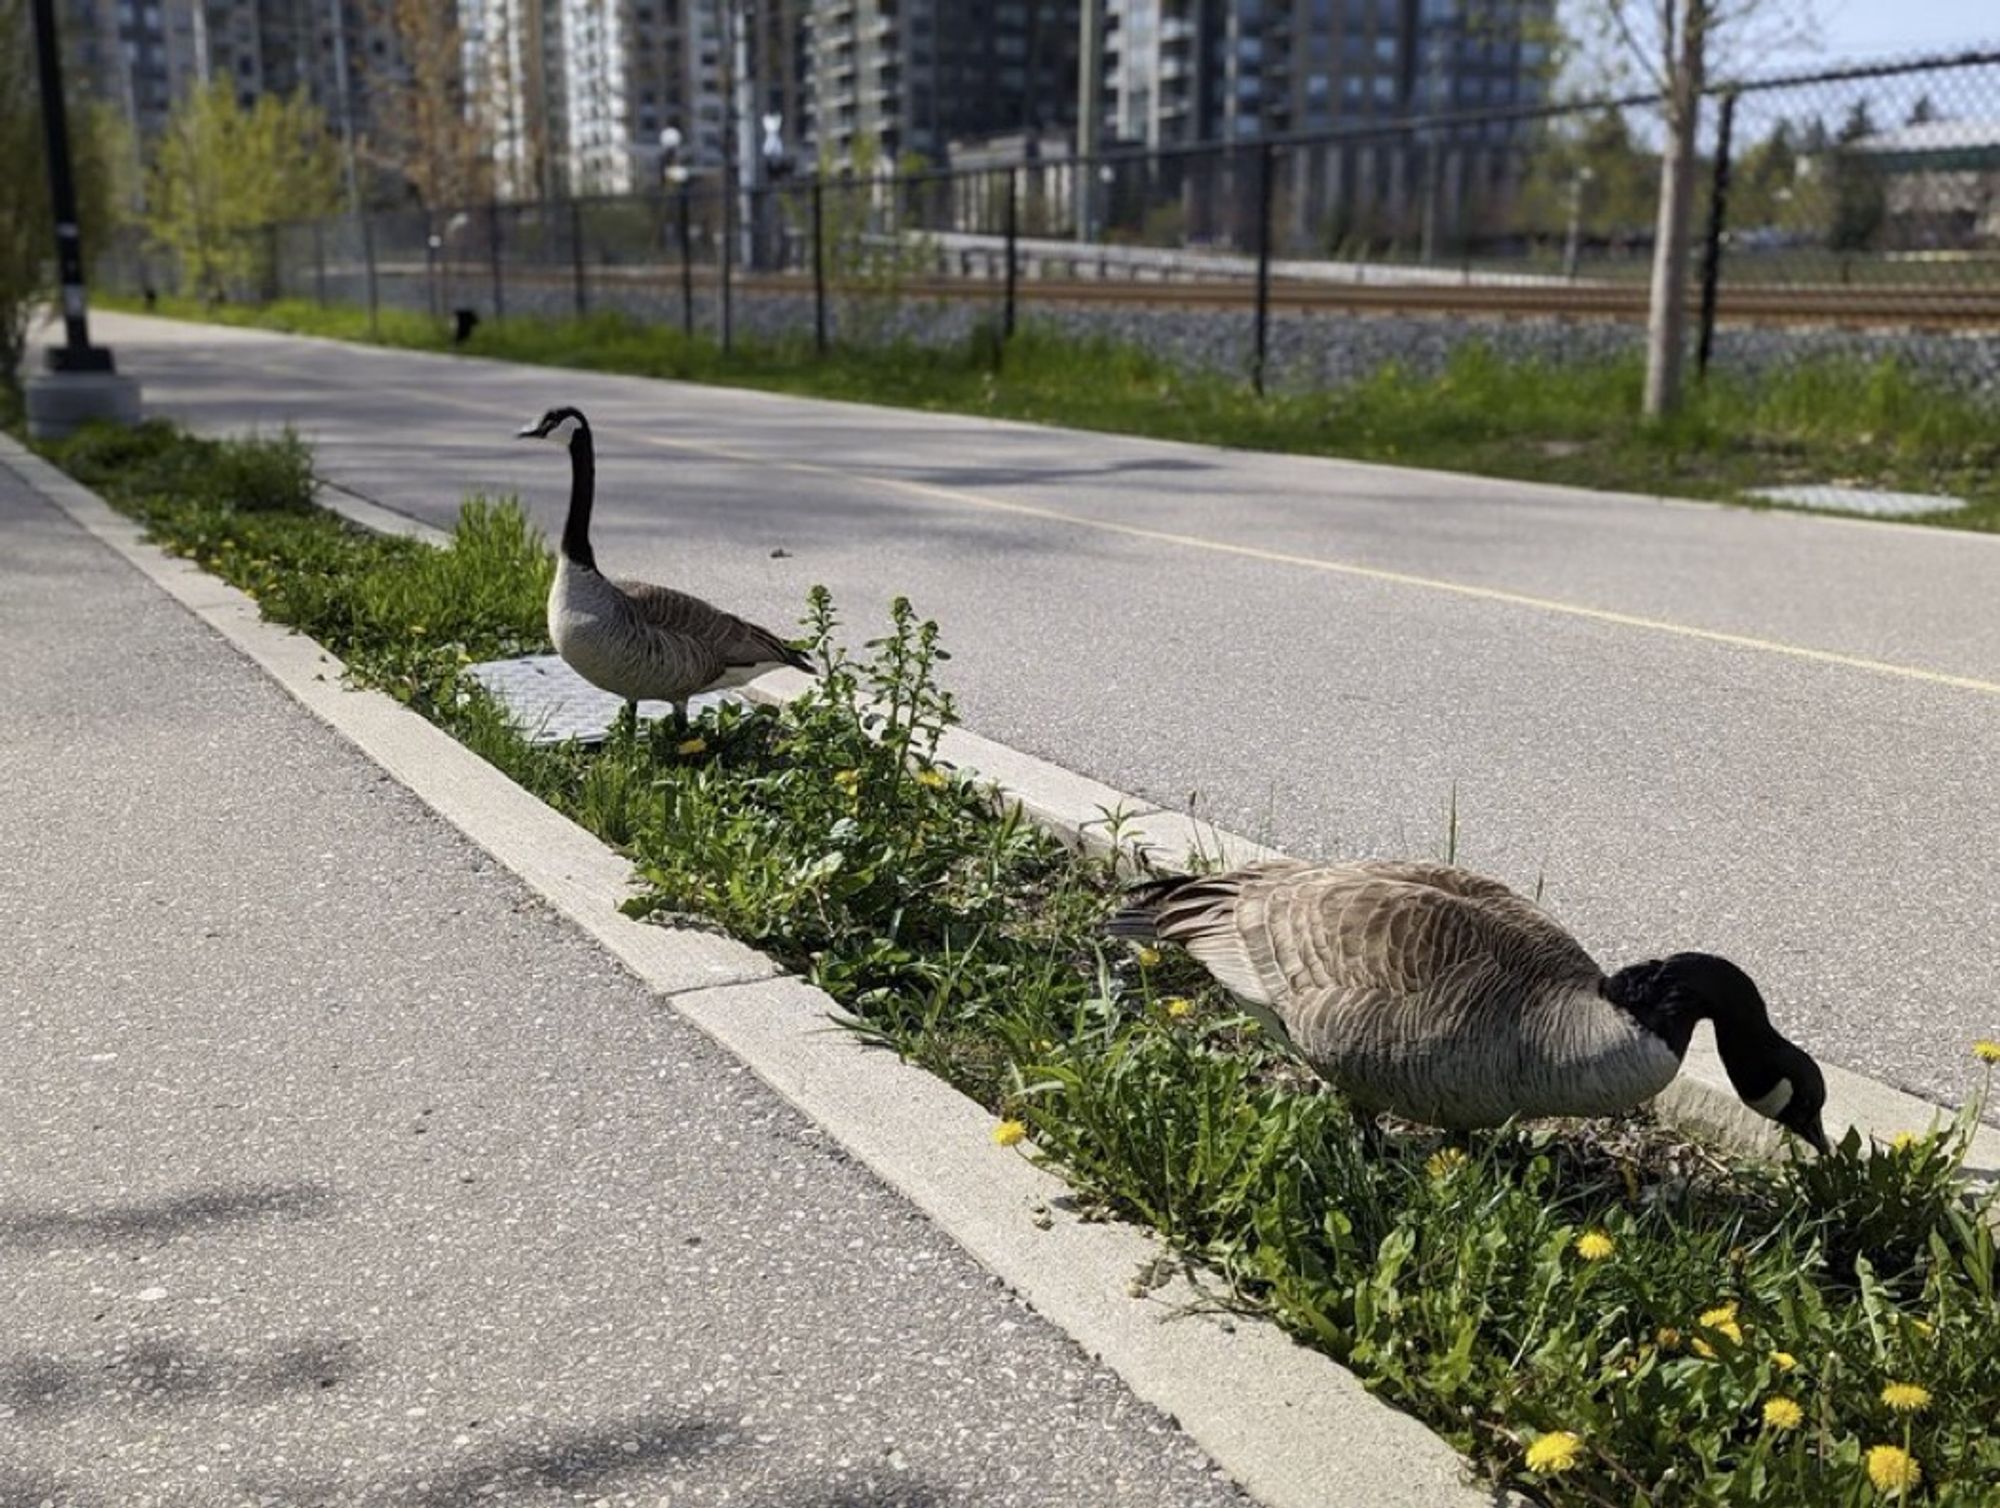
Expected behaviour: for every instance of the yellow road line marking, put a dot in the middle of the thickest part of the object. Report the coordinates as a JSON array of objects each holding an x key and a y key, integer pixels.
[{"x": 960, "y": 498}]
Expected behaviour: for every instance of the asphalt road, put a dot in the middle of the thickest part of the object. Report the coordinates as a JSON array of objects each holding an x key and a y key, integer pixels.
[
  {"x": 336, "y": 1169},
  {"x": 1759, "y": 734}
]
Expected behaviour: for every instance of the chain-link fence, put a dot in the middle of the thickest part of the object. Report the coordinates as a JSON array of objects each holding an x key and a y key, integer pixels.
[{"x": 1851, "y": 213}]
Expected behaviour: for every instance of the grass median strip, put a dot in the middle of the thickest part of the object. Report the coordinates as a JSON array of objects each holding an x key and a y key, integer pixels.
[
  {"x": 1598, "y": 1314},
  {"x": 1874, "y": 424}
]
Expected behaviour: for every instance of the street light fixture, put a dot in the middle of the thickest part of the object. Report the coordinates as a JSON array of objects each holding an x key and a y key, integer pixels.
[
  {"x": 1572, "y": 243},
  {"x": 81, "y": 383}
]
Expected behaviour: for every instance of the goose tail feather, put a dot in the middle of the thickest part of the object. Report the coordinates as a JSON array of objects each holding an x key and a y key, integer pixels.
[{"x": 1173, "y": 908}]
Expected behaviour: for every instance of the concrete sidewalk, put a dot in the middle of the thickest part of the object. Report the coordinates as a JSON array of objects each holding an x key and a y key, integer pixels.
[{"x": 334, "y": 1168}]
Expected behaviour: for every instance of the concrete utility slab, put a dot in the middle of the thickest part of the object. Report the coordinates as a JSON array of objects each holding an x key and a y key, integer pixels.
[
  {"x": 339, "y": 1171},
  {"x": 1746, "y": 731},
  {"x": 550, "y": 704},
  {"x": 1869, "y": 500}
]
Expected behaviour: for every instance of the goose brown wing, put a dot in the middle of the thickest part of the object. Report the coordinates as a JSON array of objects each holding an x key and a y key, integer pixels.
[
  {"x": 1492, "y": 896},
  {"x": 728, "y": 638},
  {"x": 1374, "y": 965}
]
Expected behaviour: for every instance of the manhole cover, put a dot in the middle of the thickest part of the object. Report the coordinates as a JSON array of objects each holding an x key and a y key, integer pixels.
[
  {"x": 550, "y": 703},
  {"x": 1860, "y": 500}
]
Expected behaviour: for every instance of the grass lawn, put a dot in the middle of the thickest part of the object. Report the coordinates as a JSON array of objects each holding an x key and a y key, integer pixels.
[
  {"x": 1597, "y": 1314},
  {"x": 1879, "y": 425}
]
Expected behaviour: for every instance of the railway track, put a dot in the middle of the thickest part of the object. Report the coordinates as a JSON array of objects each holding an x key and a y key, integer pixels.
[{"x": 1855, "y": 306}]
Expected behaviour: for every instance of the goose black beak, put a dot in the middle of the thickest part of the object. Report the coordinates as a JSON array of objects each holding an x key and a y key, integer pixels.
[
  {"x": 528, "y": 432},
  {"x": 1816, "y": 1134}
]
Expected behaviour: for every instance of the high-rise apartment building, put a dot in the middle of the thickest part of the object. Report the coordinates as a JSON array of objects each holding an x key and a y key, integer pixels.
[
  {"x": 1183, "y": 71},
  {"x": 912, "y": 75},
  {"x": 580, "y": 90},
  {"x": 145, "y": 56}
]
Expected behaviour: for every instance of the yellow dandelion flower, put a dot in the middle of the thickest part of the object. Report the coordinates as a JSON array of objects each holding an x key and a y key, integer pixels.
[
  {"x": 418, "y": 629},
  {"x": 1986, "y": 1050},
  {"x": 1444, "y": 1162},
  {"x": 932, "y": 778},
  {"x": 1668, "y": 1337},
  {"x": 1907, "y": 1397},
  {"x": 1149, "y": 958},
  {"x": 1892, "y": 1469},
  {"x": 1784, "y": 1361},
  {"x": 1595, "y": 1245},
  {"x": 1009, "y": 1133},
  {"x": 1783, "y": 1413},
  {"x": 1718, "y": 1321},
  {"x": 1177, "y": 1008},
  {"x": 1554, "y": 1452},
  {"x": 1923, "y": 1327},
  {"x": 695, "y": 745},
  {"x": 847, "y": 780},
  {"x": 1903, "y": 1141}
]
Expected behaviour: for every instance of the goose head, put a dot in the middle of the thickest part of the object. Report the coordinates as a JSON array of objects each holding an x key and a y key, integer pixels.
[
  {"x": 561, "y": 425},
  {"x": 1773, "y": 1075}
]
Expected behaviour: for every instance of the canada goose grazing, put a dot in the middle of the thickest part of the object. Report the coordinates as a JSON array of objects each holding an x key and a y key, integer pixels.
[
  {"x": 633, "y": 639},
  {"x": 1443, "y": 997}
]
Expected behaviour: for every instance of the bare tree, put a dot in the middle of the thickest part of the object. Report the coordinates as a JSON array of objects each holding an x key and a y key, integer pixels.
[
  {"x": 1677, "y": 47},
  {"x": 432, "y": 132}
]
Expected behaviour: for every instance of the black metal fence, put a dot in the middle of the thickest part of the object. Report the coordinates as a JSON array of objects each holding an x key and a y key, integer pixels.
[{"x": 1848, "y": 212}]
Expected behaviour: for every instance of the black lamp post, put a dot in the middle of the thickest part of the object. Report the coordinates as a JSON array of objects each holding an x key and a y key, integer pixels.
[
  {"x": 82, "y": 383},
  {"x": 77, "y": 354}
]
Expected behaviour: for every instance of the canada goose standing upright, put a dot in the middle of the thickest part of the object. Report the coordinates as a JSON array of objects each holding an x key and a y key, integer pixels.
[
  {"x": 631, "y": 638},
  {"x": 1443, "y": 997}
]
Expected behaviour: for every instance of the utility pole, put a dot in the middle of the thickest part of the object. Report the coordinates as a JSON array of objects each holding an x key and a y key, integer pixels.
[
  {"x": 82, "y": 382},
  {"x": 1089, "y": 65},
  {"x": 744, "y": 107},
  {"x": 338, "y": 17}
]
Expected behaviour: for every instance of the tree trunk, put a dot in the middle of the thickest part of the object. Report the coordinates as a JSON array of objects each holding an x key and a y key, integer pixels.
[{"x": 1666, "y": 322}]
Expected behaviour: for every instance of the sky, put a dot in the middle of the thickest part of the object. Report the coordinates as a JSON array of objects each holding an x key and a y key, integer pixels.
[
  {"x": 1856, "y": 30},
  {"x": 1873, "y": 28},
  {"x": 1851, "y": 31}
]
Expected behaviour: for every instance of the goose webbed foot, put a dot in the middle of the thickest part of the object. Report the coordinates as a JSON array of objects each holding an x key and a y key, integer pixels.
[
  {"x": 1368, "y": 1127},
  {"x": 625, "y": 727}
]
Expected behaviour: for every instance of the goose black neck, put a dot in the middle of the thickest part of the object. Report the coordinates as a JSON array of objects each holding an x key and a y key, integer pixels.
[
  {"x": 582, "y": 492},
  {"x": 1668, "y": 996}
]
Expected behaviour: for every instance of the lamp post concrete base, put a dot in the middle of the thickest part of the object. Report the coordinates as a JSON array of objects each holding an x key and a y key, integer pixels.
[{"x": 60, "y": 402}]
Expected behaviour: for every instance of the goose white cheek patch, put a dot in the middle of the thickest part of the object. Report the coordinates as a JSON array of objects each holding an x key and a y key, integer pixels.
[
  {"x": 562, "y": 431},
  {"x": 1772, "y": 1104}
]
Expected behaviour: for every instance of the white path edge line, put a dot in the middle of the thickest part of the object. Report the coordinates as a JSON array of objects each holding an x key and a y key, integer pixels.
[{"x": 1295, "y": 1429}]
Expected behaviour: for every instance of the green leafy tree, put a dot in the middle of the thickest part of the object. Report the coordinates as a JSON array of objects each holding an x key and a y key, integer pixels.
[
  {"x": 1764, "y": 179},
  {"x": 1858, "y": 200},
  {"x": 221, "y": 173},
  {"x": 1602, "y": 168}
]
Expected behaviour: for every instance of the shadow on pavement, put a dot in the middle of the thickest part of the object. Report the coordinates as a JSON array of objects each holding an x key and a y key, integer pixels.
[
  {"x": 158, "y": 1219},
  {"x": 157, "y": 1373}
]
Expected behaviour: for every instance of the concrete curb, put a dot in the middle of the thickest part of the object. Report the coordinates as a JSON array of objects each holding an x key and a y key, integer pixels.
[
  {"x": 1292, "y": 1427},
  {"x": 1099, "y": 817}
]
